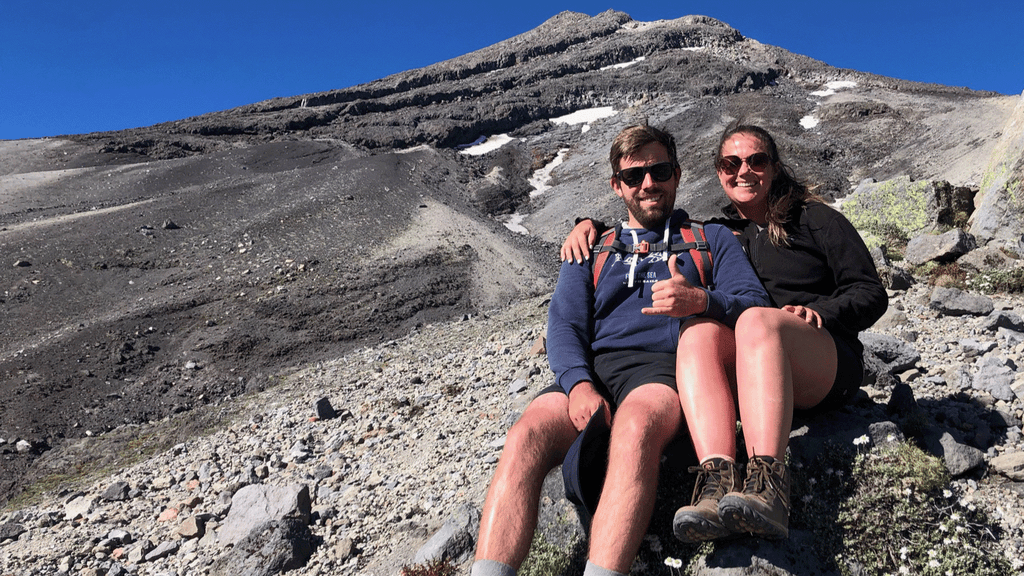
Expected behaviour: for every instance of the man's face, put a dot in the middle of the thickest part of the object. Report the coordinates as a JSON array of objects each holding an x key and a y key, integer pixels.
[{"x": 649, "y": 202}]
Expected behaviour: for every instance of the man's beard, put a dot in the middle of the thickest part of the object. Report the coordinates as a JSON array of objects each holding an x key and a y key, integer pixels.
[{"x": 650, "y": 218}]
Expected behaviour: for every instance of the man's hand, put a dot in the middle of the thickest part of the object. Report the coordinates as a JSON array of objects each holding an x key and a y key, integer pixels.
[
  {"x": 676, "y": 297},
  {"x": 579, "y": 242},
  {"x": 584, "y": 400},
  {"x": 810, "y": 316}
]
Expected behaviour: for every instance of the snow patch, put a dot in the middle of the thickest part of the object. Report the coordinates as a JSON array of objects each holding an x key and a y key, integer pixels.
[
  {"x": 488, "y": 144},
  {"x": 585, "y": 117},
  {"x": 808, "y": 122},
  {"x": 541, "y": 177},
  {"x": 833, "y": 87},
  {"x": 624, "y": 64}
]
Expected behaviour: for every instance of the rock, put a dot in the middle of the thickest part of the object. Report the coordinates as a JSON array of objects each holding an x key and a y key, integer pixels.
[
  {"x": 1009, "y": 465},
  {"x": 272, "y": 547},
  {"x": 942, "y": 248},
  {"x": 11, "y": 531},
  {"x": 956, "y": 302},
  {"x": 116, "y": 492},
  {"x": 324, "y": 410},
  {"x": 192, "y": 527},
  {"x": 897, "y": 355},
  {"x": 960, "y": 458},
  {"x": 254, "y": 505},
  {"x": 79, "y": 507},
  {"x": 162, "y": 550},
  {"x": 995, "y": 376},
  {"x": 1002, "y": 319},
  {"x": 455, "y": 540}
]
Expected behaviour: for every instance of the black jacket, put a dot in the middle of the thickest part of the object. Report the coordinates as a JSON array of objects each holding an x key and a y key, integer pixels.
[{"x": 826, "y": 267}]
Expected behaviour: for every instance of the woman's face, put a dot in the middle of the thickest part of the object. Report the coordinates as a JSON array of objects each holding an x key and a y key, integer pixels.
[{"x": 746, "y": 186}]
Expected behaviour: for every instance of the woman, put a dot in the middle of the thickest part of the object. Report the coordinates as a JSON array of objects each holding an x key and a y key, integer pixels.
[{"x": 803, "y": 355}]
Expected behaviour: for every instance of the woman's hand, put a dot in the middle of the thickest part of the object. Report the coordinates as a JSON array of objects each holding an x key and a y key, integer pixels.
[
  {"x": 579, "y": 242},
  {"x": 809, "y": 315}
]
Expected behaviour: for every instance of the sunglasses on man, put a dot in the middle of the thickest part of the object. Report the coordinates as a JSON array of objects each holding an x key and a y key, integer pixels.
[
  {"x": 660, "y": 172},
  {"x": 731, "y": 164}
]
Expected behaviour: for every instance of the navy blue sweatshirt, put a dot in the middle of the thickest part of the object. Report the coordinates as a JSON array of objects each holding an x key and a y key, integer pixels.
[{"x": 583, "y": 323}]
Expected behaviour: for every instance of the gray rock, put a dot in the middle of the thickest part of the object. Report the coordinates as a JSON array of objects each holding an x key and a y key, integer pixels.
[
  {"x": 972, "y": 347},
  {"x": 954, "y": 302},
  {"x": 254, "y": 505},
  {"x": 163, "y": 550},
  {"x": 960, "y": 458},
  {"x": 995, "y": 376},
  {"x": 11, "y": 531},
  {"x": 116, "y": 492},
  {"x": 324, "y": 410},
  {"x": 755, "y": 557},
  {"x": 884, "y": 432},
  {"x": 896, "y": 354},
  {"x": 455, "y": 540},
  {"x": 1010, "y": 465},
  {"x": 942, "y": 248},
  {"x": 1002, "y": 319},
  {"x": 271, "y": 548}
]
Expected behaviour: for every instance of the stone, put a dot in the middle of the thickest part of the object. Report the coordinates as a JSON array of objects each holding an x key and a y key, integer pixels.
[
  {"x": 116, "y": 492},
  {"x": 324, "y": 410},
  {"x": 960, "y": 458},
  {"x": 955, "y": 302},
  {"x": 942, "y": 248},
  {"x": 271, "y": 548},
  {"x": 897, "y": 355},
  {"x": 1010, "y": 465},
  {"x": 455, "y": 540},
  {"x": 254, "y": 505}
]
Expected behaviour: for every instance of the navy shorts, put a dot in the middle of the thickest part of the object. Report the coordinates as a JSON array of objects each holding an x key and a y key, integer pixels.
[
  {"x": 849, "y": 377},
  {"x": 620, "y": 372}
]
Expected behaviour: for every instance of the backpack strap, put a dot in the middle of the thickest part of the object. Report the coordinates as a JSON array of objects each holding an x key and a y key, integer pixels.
[
  {"x": 697, "y": 243},
  {"x": 605, "y": 245}
]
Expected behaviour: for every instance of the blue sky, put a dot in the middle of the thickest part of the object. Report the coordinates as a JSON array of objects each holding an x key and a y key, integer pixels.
[{"x": 70, "y": 67}]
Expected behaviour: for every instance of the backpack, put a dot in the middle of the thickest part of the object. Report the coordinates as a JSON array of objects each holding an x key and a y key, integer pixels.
[{"x": 696, "y": 243}]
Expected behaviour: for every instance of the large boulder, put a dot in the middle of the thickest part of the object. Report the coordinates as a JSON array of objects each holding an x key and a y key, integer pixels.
[
  {"x": 1000, "y": 202},
  {"x": 256, "y": 504}
]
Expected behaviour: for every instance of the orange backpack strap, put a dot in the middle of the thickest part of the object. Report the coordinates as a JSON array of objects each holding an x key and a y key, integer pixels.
[
  {"x": 697, "y": 243},
  {"x": 602, "y": 249}
]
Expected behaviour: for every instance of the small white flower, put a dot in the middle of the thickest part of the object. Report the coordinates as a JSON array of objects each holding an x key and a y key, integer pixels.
[
  {"x": 904, "y": 570},
  {"x": 947, "y": 494},
  {"x": 677, "y": 563},
  {"x": 907, "y": 491},
  {"x": 669, "y": 560},
  {"x": 955, "y": 516},
  {"x": 943, "y": 528},
  {"x": 932, "y": 553},
  {"x": 861, "y": 440},
  {"x": 933, "y": 563},
  {"x": 806, "y": 498},
  {"x": 890, "y": 438},
  {"x": 812, "y": 481}
]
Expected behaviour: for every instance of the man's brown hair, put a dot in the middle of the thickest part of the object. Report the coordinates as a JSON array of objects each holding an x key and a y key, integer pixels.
[{"x": 633, "y": 138}]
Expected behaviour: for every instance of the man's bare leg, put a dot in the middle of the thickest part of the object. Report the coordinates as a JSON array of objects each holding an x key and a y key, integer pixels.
[
  {"x": 534, "y": 446},
  {"x": 643, "y": 425}
]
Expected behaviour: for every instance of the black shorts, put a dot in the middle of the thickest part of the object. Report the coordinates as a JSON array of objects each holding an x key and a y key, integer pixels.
[
  {"x": 620, "y": 372},
  {"x": 849, "y": 377}
]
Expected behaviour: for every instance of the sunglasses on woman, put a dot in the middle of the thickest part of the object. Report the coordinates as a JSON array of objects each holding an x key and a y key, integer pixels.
[
  {"x": 731, "y": 164},
  {"x": 660, "y": 172}
]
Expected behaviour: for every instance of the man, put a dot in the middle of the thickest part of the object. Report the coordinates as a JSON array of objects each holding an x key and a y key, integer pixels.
[{"x": 614, "y": 346}]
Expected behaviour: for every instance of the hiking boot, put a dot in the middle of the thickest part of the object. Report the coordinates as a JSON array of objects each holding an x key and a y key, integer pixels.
[
  {"x": 762, "y": 508},
  {"x": 699, "y": 521}
]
